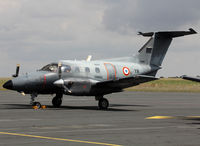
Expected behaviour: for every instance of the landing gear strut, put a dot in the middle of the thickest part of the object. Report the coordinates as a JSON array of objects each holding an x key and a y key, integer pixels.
[
  {"x": 33, "y": 103},
  {"x": 57, "y": 100},
  {"x": 103, "y": 102}
]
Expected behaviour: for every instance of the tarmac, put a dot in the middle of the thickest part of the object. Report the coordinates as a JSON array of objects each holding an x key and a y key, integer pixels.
[{"x": 133, "y": 118}]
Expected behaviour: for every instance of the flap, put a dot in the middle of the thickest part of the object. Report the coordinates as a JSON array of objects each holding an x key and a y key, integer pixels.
[{"x": 126, "y": 82}]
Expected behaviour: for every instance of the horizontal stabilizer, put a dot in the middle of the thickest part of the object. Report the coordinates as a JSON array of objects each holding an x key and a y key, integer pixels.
[
  {"x": 170, "y": 34},
  {"x": 174, "y": 34},
  {"x": 146, "y": 34},
  {"x": 196, "y": 79}
]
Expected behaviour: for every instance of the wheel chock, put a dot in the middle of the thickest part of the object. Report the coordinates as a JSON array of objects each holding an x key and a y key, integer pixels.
[
  {"x": 43, "y": 107},
  {"x": 35, "y": 107}
]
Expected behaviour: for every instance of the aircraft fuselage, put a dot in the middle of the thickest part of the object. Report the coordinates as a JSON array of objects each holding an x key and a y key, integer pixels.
[{"x": 81, "y": 76}]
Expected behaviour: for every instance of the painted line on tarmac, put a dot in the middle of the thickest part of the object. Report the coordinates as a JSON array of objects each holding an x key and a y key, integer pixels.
[
  {"x": 174, "y": 117},
  {"x": 58, "y": 139},
  {"x": 27, "y": 119},
  {"x": 103, "y": 130},
  {"x": 161, "y": 117}
]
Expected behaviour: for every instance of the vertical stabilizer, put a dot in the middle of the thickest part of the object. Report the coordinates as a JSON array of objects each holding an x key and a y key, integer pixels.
[
  {"x": 160, "y": 47},
  {"x": 146, "y": 51},
  {"x": 154, "y": 51}
]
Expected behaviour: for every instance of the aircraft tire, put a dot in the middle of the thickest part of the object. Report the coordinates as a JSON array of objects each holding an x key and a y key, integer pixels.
[
  {"x": 57, "y": 102},
  {"x": 103, "y": 104}
]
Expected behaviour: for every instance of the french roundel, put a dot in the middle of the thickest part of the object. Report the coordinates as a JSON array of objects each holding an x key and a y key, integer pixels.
[{"x": 126, "y": 71}]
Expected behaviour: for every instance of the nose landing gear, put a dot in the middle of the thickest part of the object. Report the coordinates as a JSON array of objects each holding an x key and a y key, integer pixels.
[
  {"x": 56, "y": 101},
  {"x": 35, "y": 105},
  {"x": 33, "y": 96}
]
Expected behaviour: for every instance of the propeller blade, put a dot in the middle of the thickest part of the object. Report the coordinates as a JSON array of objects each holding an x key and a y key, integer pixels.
[
  {"x": 59, "y": 70},
  {"x": 66, "y": 89},
  {"x": 17, "y": 71}
]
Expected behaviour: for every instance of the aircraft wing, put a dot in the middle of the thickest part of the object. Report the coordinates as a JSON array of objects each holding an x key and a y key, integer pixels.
[
  {"x": 83, "y": 86},
  {"x": 126, "y": 82},
  {"x": 197, "y": 79}
]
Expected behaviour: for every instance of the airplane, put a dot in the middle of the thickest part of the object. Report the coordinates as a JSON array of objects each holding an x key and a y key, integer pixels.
[
  {"x": 96, "y": 77},
  {"x": 196, "y": 79}
]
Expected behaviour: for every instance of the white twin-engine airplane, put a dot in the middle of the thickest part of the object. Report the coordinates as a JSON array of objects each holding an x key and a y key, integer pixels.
[{"x": 96, "y": 78}]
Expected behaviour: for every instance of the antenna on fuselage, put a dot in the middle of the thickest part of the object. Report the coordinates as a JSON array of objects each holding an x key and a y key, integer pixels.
[{"x": 89, "y": 58}]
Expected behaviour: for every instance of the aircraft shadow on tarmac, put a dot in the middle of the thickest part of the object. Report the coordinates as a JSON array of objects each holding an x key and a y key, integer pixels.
[
  {"x": 194, "y": 123},
  {"x": 111, "y": 108},
  {"x": 15, "y": 106},
  {"x": 135, "y": 105}
]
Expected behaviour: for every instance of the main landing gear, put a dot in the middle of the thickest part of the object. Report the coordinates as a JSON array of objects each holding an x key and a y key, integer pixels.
[
  {"x": 57, "y": 100},
  {"x": 103, "y": 102}
]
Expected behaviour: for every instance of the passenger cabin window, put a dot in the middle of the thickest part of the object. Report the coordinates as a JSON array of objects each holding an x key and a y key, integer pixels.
[
  {"x": 66, "y": 68},
  {"x": 53, "y": 67},
  {"x": 77, "y": 69},
  {"x": 97, "y": 70},
  {"x": 87, "y": 69}
]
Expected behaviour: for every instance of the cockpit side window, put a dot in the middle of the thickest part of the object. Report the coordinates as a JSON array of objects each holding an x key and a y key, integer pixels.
[{"x": 66, "y": 68}]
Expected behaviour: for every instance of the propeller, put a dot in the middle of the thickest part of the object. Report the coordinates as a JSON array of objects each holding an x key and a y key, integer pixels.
[
  {"x": 17, "y": 71},
  {"x": 61, "y": 82},
  {"x": 59, "y": 70}
]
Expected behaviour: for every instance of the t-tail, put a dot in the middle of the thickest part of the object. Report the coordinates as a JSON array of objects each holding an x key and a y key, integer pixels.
[{"x": 154, "y": 51}]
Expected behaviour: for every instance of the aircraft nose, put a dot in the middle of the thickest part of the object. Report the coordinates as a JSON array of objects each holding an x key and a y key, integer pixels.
[{"x": 8, "y": 85}]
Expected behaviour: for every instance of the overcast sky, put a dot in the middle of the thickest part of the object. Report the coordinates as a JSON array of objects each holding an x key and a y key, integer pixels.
[{"x": 36, "y": 32}]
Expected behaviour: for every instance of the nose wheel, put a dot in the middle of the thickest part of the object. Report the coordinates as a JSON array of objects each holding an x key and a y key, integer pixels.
[
  {"x": 103, "y": 104},
  {"x": 37, "y": 105}
]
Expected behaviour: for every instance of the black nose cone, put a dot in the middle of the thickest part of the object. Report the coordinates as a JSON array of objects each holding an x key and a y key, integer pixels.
[{"x": 8, "y": 85}]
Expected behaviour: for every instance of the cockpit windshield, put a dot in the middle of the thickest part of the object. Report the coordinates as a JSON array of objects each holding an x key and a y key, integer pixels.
[{"x": 53, "y": 67}]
